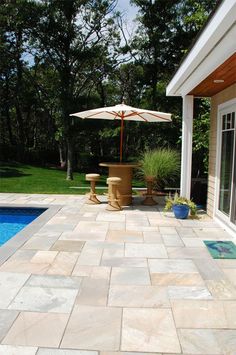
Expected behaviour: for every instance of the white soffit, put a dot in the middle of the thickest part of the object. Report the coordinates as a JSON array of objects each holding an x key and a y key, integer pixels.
[{"x": 214, "y": 46}]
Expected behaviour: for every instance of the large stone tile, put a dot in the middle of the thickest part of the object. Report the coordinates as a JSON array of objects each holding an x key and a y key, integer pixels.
[
  {"x": 44, "y": 257},
  {"x": 116, "y": 226},
  {"x": 60, "y": 227},
  {"x": 96, "y": 328},
  {"x": 138, "y": 226},
  {"x": 172, "y": 266},
  {"x": 111, "y": 217},
  {"x": 193, "y": 242},
  {"x": 114, "y": 250},
  {"x": 63, "y": 263},
  {"x": 17, "y": 350},
  {"x": 68, "y": 245},
  {"x": 231, "y": 275},
  {"x": 57, "y": 281},
  {"x": 47, "y": 351},
  {"x": 164, "y": 222},
  {"x": 188, "y": 253},
  {"x": 150, "y": 330},
  {"x": 212, "y": 232},
  {"x": 37, "y": 329},
  {"x": 138, "y": 296},
  {"x": 168, "y": 230},
  {"x": 96, "y": 272},
  {"x": 171, "y": 272},
  {"x": 124, "y": 262},
  {"x": 89, "y": 230},
  {"x": 209, "y": 269},
  {"x": 222, "y": 289},
  {"x": 7, "y": 317},
  {"x": 207, "y": 341},
  {"x": 130, "y": 276},
  {"x": 10, "y": 284},
  {"x": 230, "y": 312},
  {"x": 172, "y": 240},
  {"x": 141, "y": 250},
  {"x": 188, "y": 292},
  {"x": 152, "y": 237},
  {"x": 40, "y": 242},
  {"x": 83, "y": 236},
  {"x": 135, "y": 216},
  {"x": 90, "y": 256},
  {"x": 55, "y": 300},
  {"x": 226, "y": 264},
  {"x": 124, "y": 236},
  {"x": 93, "y": 292},
  {"x": 199, "y": 314},
  {"x": 20, "y": 262},
  {"x": 173, "y": 279},
  {"x": 226, "y": 340},
  {"x": 185, "y": 232},
  {"x": 125, "y": 353}
]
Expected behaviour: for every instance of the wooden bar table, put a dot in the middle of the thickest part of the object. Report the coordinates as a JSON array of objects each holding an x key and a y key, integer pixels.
[{"x": 125, "y": 172}]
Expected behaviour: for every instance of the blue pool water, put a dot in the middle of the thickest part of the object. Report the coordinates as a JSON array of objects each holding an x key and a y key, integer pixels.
[{"x": 13, "y": 220}]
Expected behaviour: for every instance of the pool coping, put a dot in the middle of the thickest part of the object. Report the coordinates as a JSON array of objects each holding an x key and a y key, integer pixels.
[{"x": 13, "y": 244}]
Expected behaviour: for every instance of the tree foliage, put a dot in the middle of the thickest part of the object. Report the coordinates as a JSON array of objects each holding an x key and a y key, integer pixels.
[{"x": 60, "y": 57}]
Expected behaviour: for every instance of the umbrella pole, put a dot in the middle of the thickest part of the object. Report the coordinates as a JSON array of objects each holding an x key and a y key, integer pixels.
[{"x": 121, "y": 136}]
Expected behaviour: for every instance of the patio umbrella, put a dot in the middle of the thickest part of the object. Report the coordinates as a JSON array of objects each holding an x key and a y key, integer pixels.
[{"x": 124, "y": 113}]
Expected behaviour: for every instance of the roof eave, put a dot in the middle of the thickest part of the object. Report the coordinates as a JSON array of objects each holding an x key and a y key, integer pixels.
[{"x": 214, "y": 45}]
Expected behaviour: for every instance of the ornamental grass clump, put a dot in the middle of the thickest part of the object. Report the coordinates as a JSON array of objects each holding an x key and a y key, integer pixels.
[
  {"x": 160, "y": 164},
  {"x": 158, "y": 167}
]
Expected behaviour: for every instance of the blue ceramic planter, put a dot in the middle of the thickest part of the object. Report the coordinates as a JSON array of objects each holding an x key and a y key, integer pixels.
[{"x": 180, "y": 211}]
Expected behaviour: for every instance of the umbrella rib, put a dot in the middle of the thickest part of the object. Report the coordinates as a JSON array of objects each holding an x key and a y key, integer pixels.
[
  {"x": 134, "y": 114},
  {"x": 153, "y": 114},
  {"x": 140, "y": 115},
  {"x": 97, "y": 113},
  {"x": 116, "y": 114}
]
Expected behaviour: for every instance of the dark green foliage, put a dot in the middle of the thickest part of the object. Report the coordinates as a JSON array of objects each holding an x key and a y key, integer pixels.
[{"x": 59, "y": 57}]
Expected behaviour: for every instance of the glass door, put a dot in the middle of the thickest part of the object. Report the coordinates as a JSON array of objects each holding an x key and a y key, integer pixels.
[{"x": 227, "y": 183}]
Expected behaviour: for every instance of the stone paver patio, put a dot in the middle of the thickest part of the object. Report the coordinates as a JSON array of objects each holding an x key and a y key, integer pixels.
[{"x": 138, "y": 281}]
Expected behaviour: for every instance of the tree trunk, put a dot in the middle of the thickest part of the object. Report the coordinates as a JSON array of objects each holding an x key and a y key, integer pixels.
[
  {"x": 7, "y": 112},
  {"x": 69, "y": 175},
  {"x": 9, "y": 128},
  {"x": 62, "y": 156},
  {"x": 18, "y": 95}
]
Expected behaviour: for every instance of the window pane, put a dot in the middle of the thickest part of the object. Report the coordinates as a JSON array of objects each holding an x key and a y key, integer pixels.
[
  {"x": 228, "y": 121},
  {"x": 223, "y": 122},
  {"x": 226, "y": 171}
]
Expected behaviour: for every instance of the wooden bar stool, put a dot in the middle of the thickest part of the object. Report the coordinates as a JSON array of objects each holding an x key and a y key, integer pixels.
[
  {"x": 93, "y": 178},
  {"x": 113, "y": 204}
]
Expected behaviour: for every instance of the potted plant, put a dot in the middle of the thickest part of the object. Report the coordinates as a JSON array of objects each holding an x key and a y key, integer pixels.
[
  {"x": 180, "y": 206},
  {"x": 157, "y": 167}
]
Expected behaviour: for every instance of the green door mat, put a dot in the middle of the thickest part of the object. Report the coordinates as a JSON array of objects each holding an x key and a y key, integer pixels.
[{"x": 221, "y": 249}]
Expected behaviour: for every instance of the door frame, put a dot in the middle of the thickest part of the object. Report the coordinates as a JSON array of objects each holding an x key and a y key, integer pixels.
[{"x": 220, "y": 216}]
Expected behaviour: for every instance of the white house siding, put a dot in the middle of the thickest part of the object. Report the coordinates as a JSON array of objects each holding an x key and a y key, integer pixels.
[{"x": 216, "y": 100}]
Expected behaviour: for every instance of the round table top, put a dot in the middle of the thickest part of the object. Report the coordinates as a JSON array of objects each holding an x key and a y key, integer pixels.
[{"x": 120, "y": 165}]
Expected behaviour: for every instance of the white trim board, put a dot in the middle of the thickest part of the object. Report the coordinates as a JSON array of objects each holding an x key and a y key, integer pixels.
[
  {"x": 215, "y": 45},
  {"x": 217, "y": 214}
]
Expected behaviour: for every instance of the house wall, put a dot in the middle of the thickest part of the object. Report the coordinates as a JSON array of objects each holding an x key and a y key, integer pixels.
[{"x": 221, "y": 97}]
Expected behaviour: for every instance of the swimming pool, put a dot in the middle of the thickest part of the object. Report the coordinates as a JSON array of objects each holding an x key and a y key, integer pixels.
[{"x": 13, "y": 220}]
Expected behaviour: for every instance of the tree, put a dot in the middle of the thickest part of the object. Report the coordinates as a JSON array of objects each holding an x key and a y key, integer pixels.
[
  {"x": 165, "y": 32},
  {"x": 16, "y": 19},
  {"x": 74, "y": 36}
]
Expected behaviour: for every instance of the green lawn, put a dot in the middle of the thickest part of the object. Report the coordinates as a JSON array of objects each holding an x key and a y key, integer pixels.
[{"x": 31, "y": 179}]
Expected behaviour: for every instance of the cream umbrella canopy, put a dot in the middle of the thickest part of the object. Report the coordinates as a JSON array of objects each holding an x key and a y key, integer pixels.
[{"x": 123, "y": 113}]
